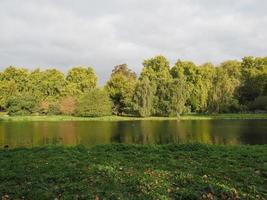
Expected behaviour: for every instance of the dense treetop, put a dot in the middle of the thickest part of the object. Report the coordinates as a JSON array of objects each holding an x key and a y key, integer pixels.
[{"x": 160, "y": 90}]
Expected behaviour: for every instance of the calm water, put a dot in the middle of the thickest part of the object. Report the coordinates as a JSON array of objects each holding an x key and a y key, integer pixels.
[{"x": 90, "y": 133}]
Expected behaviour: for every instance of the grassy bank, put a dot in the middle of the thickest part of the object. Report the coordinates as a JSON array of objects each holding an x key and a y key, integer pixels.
[
  {"x": 191, "y": 171},
  {"x": 121, "y": 118}
]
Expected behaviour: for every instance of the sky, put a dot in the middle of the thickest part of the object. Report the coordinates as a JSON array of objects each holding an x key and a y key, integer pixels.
[{"x": 66, "y": 33}]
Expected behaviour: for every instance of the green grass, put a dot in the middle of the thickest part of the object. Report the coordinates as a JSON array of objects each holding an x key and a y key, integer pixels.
[
  {"x": 117, "y": 171},
  {"x": 123, "y": 118}
]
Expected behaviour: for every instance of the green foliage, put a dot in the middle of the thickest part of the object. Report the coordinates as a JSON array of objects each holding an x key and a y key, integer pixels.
[
  {"x": 80, "y": 80},
  {"x": 222, "y": 97},
  {"x": 157, "y": 70},
  {"x": 260, "y": 103},
  {"x": 116, "y": 118},
  {"x": 23, "y": 104},
  {"x": 47, "y": 84},
  {"x": 53, "y": 109},
  {"x": 94, "y": 103},
  {"x": 136, "y": 172},
  {"x": 67, "y": 105},
  {"x": 18, "y": 76},
  {"x": 254, "y": 79},
  {"x": 121, "y": 87},
  {"x": 179, "y": 96},
  {"x": 143, "y": 97},
  {"x": 160, "y": 90},
  {"x": 12, "y": 81},
  {"x": 187, "y": 71},
  {"x": 7, "y": 89}
]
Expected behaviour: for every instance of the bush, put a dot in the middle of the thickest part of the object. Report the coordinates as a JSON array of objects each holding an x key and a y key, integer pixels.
[
  {"x": 49, "y": 107},
  {"x": 94, "y": 103},
  {"x": 43, "y": 107},
  {"x": 53, "y": 109},
  {"x": 260, "y": 103},
  {"x": 231, "y": 107},
  {"x": 67, "y": 105},
  {"x": 23, "y": 104}
]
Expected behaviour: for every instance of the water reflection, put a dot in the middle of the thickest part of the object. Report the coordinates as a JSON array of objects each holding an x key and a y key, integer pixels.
[{"x": 90, "y": 133}]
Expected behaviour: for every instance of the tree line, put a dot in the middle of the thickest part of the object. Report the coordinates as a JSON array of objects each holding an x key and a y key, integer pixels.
[{"x": 160, "y": 89}]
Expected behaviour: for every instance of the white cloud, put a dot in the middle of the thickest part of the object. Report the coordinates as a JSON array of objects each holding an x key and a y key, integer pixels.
[{"x": 66, "y": 33}]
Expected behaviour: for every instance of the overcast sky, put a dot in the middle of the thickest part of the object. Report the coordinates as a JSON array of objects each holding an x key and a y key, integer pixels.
[{"x": 62, "y": 34}]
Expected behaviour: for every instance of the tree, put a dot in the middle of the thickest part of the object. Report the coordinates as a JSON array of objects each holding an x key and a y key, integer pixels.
[
  {"x": 49, "y": 106},
  {"x": 157, "y": 70},
  {"x": 187, "y": 71},
  {"x": 121, "y": 87},
  {"x": 206, "y": 73},
  {"x": 260, "y": 103},
  {"x": 222, "y": 97},
  {"x": 12, "y": 82},
  {"x": 198, "y": 79},
  {"x": 254, "y": 79},
  {"x": 19, "y": 76},
  {"x": 143, "y": 97},
  {"x": 67, "y": 105},
  {"x": 7, "y": 89},
  {"x": 232, "y": 86},
  {"x": 179, "y": 96},
  {"x": 22, "y": 104},
  {"x": 43, "y": 107},
  {"x": 47, "y": 84},
  {"x": 80, "y": 80},
  {"x": 94, "y": 103}
]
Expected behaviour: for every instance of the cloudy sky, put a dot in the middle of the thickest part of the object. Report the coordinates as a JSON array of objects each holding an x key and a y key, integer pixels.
[{"x": 66, "y": 33}]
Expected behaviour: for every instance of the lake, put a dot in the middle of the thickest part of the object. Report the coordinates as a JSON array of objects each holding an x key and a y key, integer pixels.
[{"x": 90, "y": 133}]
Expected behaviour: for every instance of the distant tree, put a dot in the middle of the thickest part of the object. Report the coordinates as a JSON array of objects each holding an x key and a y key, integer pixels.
[
  {"x": 198, "y": 79},
  {"x": 49, "y": 106},
  {"x": 143, "y": 97},
  {"x": 232, "y": 86},
  {"x": 12, "y": 82},
  {"x": 67, "y": 105},
  {"x": 157, "y": 70},
  {"x": 254, "y": 79},
  {"x": 22, "y": 104},
  {"x": 72, "y": 89},
  {"x": 53, "y": 108},
  {"x": 43, "y": 107},
  {"x": 94, "y": 103},
  {"x": 260, "y": 103},
  {"x": 179, "y": 96},
  {"x": 222, "y": 97},
  {"x": 188, "y": 71},
  {"x": 81, "y": 80},
  {"x": 121, "y": 87},
  {"x": 19, "y": 76},
  {"x": 206, "y": 73},
  {"x": 47, "y": 84},
  {"x": 7, "y": 89}
]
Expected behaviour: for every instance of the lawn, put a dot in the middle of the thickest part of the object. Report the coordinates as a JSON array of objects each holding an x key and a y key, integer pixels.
[
  {"x": 124, "y": 118},
  {"x": 118, "y": 171}
]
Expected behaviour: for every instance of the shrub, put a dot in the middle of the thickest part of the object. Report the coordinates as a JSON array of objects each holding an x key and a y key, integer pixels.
[
  {"x": 43, "y": 107},
  {"x": 53, "y": 108},
  {"x": 94, "y": 103},
  {"x": 23, "y": 104},
  {"x": 49, "y": 107},
  {"x": 260, "y": 103},
  {"x": 67, "y": 105},
  {"x": 232, "y": 106}
]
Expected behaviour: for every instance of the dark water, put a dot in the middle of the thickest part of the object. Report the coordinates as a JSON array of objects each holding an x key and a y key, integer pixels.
[{"x": 90, "y": 133}]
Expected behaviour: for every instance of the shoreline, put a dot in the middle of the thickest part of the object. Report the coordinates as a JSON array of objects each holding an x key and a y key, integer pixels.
[{"x": 126, "y": 118}]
